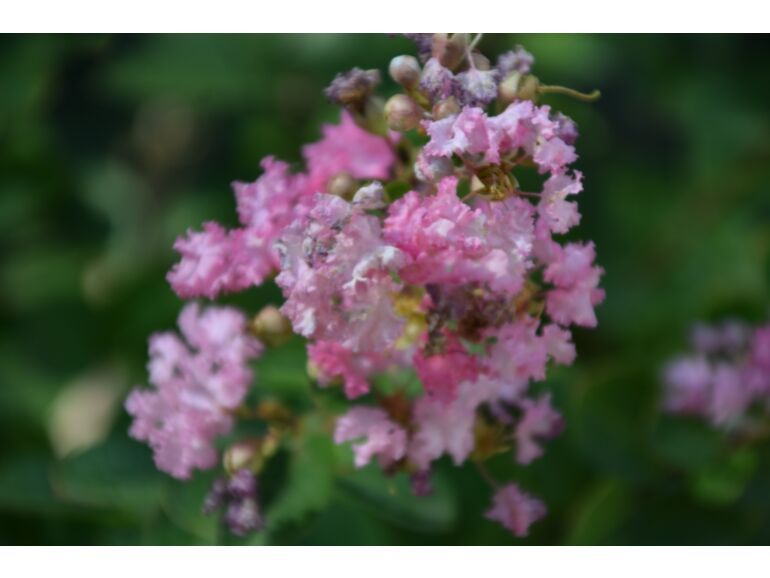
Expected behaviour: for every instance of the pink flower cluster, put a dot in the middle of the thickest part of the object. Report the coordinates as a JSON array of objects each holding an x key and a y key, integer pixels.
[
  {"x": 216, "y": 261},
  {"x": 199, "y": 379},
  {"x": 725, "y": 377},
  {"x": 461, "y": 280}
]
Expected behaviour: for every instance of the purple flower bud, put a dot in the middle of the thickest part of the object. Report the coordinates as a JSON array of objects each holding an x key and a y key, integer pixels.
[
  {"x": 421, "y": 483},
  {"x": 477, "y": 87},
  {"x": 436, "y": 81},
  {"x": 518, "y": 60},
  {"x": 423, "y": 43},
  {"x": 353, "y": 87},
  {"x": 243, "y": 516},
  {"x": 215, "y": 499},
  {"x": 243, "y": 484}
]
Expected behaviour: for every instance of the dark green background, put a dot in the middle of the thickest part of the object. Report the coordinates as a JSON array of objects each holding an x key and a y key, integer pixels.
[{"x": 110, "y": 146}]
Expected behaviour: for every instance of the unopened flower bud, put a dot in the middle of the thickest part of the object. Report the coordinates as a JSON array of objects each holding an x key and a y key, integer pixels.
[
  {"x": 242, "y": 484},
  {"x": 518, "y": 60},
  {"x": 341, "y": 185},
  {"x": 352, "y": 88},
  {"x": 405, "y": 70},
  {"x": 437, "y": 81},
  {"x": 477, "y": 87},
  {"x": 271, "y": 327},
  {"x": 450, "y": 50},
  {"x": 243, "y": 455},
  {"x": 517, "y": 86},
  {"x": 445, "y": 108},
  {"x": 402, "y": 113},
  {"x": 313, "y": 371},
  {"x": 243, "y": 516}
]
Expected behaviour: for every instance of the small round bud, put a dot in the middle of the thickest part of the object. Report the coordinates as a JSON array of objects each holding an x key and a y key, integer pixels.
[
  {"x": 243, "y": 455},
  {"x": 405, "y": 70},
  {"x": 529, "y": 88},
  {"x": 341, "y": 185},
  {"x": 445, "y": 108},
  {"x": 402, "y": 113},
  {"x": 271, "y": 327},
  {"x": 313, "y": 371},
  {"x": 517, "y": 86}
]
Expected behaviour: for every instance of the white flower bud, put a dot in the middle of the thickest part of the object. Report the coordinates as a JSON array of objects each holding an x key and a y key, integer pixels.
[
  {"x": 271, "y": 327},
  {"x": 402, "y": 113},
  {"x": 405, "y": 70}
]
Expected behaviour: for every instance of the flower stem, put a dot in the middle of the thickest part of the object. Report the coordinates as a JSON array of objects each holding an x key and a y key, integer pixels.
[{"x": 555, "y": 89}]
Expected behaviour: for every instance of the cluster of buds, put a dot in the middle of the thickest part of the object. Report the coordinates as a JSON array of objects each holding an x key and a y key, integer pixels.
[
  {"x": 237, "y": 495},
  {"x": 406, "y": 245},
  {"x": 726, "y": 378}
]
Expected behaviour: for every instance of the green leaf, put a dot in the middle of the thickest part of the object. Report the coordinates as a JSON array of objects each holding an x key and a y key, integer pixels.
[
  {"x": 310, "y": 480},
  {"x": 391, "y": 498},
  {"x": 182, "y": 503},
  {"x": 117, "y": 475},
  {"x": 24, "y": 486},
  {"x": 686, "y": 444},
  {"x": 725, "y": 482},
  {"x": 599, "y": 514}
]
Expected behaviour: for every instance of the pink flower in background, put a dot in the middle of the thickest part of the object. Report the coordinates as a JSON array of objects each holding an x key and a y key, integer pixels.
[
  {"x": 515, "y": 510},
  {"x": 726, "y": 375}
]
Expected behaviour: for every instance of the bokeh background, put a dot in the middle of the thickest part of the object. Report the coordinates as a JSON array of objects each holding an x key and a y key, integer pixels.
[{"x": 110, "y": 146}]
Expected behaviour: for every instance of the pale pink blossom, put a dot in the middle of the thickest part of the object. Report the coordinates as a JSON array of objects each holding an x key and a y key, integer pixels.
[
  {"x": 214, "y": 261},
  {"x": 383, "y": 438},
  {"x": 538, "y": 422},
  {"x": 197, "y": 381},
  {"x": 576, "y": 281},
  {"x": 347, "y": 148},
  {"x": 450, "y": 243},
  {"x": 559, "y": 214},
  {"x": 334, "y": 360},
  {"x": 442, "y": 372}
]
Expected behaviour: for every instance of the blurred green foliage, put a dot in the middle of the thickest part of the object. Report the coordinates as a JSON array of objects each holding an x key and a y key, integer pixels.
[{"x": 110, "y": 146}]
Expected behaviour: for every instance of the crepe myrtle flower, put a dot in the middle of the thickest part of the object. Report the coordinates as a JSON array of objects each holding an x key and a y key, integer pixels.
[
  {"x": 724, "y": 379},
  {"x": 395, "y": 258}
]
